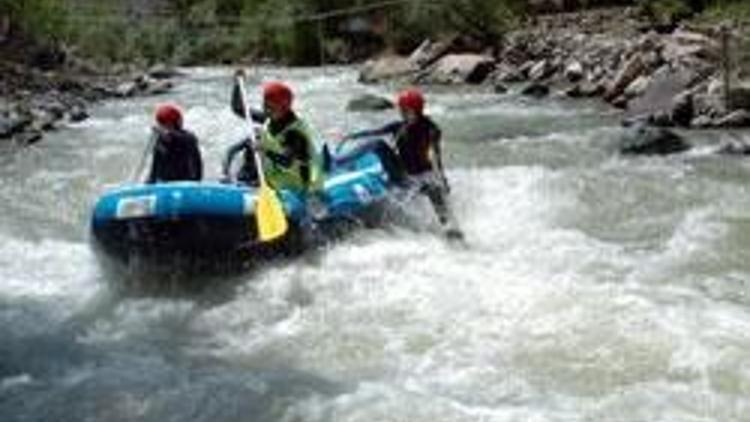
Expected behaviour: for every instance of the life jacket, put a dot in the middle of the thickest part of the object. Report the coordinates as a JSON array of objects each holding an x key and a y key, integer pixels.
[{"x": 290, "y": 177}]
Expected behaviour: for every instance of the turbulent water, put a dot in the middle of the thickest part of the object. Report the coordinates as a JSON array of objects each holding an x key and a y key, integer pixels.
[{"x": 595, "y": 287}]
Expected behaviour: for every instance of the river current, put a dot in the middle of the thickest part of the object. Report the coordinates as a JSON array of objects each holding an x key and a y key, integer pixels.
[{"x": 595, "y": 287}]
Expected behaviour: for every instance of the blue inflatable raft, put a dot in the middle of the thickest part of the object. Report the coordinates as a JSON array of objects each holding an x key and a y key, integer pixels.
[{"x": 210, "y": 219}]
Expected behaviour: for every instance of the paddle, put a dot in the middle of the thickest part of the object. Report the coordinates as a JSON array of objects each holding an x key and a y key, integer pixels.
[
  {"x": 269, "y": 212},
  {"x": 138, "y": 170}
]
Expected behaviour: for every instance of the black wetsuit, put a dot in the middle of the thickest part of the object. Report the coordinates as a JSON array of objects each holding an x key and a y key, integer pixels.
[
  {"x": 414, "y": 142},
  {"x": 176, "y": 156}
]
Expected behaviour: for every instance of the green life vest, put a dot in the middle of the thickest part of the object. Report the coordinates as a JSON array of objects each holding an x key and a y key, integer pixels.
[{"x": 290, "y": 177}]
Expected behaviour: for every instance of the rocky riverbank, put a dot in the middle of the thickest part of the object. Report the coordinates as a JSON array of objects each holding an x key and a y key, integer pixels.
[
  {"x": 39, "y": 93},
  {"x": 666, "y": 78}
]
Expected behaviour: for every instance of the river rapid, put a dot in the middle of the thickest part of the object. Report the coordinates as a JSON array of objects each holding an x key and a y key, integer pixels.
[{"x": 595, "y": 287}]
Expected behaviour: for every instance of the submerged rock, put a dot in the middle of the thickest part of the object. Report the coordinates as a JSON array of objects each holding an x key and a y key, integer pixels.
[
  {"x": 369, "y": 102},
  {"x": 535, "y": 90},
  {"x": 641, "y": 138}
]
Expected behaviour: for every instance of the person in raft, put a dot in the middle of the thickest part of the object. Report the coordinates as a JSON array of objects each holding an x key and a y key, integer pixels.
[
  {"x": 176, "y": 155},
  {"x": 418, "y": 155},
  {"x": 288, "y": 153}
]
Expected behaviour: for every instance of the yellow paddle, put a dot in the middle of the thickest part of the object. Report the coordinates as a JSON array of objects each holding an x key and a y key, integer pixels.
[{"x": 269, "y": 211}]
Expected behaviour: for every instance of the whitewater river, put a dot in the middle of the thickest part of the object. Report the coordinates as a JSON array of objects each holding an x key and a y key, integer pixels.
[{"x": 595, "y": 287}]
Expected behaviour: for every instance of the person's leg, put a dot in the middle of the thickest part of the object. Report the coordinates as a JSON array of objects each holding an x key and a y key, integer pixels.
[{"x": 436, "y": 195}]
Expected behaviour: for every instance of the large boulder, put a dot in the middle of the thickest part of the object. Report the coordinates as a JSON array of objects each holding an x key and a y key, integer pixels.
[
  {"x": 641, "y": 138},
  {"x": 429, "y": 52},
  {"x": 629, "y": 72},
  {"x": 386, "y": 67},
  {"x": 461, "y": 68},
  {"x": 660, "y": 96}
]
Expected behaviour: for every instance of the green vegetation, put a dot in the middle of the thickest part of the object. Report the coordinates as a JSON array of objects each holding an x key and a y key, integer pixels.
[
  {"x": 737, "y": 11},
  {"x": 215, "y": 31},
  {"x": 211, "y": 31}
]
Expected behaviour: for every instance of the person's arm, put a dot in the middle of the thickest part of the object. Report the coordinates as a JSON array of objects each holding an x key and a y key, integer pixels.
[
  {"x": 258, "y": 116},
  {"x": 389, "y": 129},
  {"x": 233, "y": 150}
]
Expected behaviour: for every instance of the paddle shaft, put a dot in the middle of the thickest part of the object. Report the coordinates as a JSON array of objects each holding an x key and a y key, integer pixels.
[
  {"x": 138, "y": 170},
  {"x": 253, "y": 141}
]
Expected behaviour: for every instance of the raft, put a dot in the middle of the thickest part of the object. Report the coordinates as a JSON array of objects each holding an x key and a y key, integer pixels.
[{"x": 211, "y": 219}]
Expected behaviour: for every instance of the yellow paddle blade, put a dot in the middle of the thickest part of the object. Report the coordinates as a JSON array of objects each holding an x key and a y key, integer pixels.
[{"x": 269, "y": 214}]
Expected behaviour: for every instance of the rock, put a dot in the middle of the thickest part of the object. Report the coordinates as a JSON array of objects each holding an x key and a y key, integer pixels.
[
  {"x": 541, "y": 70},
  {"x": 737, "y": 118},
  {"x": 620, "y": 102},
  {"x": 682, "y": 111},
  {"x": 508, "y": 74},
  {"x": 28, "y": 138},
  {"x": 660, "y": 92},
  {"x": 641, "y": 138},
  {"x": 627, "y": 74},
  {"x": 535, "y": 90},
  {"x": 573, "y": 71},
  {"x": 525, "y": 69},
  {"x": 735, "y": 148},
  {"x": 702, "y": 122},
  {"x": 500, "y": 89},
  {"x": 158, "y": 87},
  {"x": 78, "y": 114},
  {"x": 12, "y": 123},
  {"x": 369, "y": 102},
  {"x": 126, "y": 89},
  {"x": 428, "y": 53},
  {"x": 637, "y": 87},
  {"x": 43, "y": 120},
  {"x": 684, "y": 43},
  {"x": 162, "y": 71},
  {"x": 388, "y": 67},
  {"x": 462, "y": 68}
]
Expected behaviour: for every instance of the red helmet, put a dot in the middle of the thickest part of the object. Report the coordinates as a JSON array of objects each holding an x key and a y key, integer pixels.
[
  {"x": 278, "y": 93},
  {"x": 411, "y": 99},
  {"x": 169, "y": 115}
]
